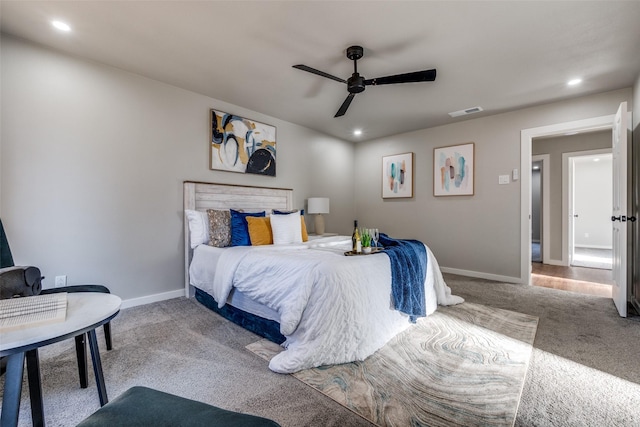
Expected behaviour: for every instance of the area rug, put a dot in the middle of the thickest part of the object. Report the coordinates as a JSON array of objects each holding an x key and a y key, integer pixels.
[{"x": 463, "y": 365}]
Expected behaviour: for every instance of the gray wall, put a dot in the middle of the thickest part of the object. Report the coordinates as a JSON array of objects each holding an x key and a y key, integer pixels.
[
  {"x": 93, "y": 160},
  {"x": 476, "y": 235},
  {"x": 555, "y": 147}
]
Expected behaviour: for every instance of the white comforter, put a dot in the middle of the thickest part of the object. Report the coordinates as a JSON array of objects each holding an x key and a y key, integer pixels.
[{"x": 333, "y": 308}]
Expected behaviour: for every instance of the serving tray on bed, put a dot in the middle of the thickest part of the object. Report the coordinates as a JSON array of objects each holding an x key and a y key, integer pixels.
[{"x": 373, "y": 251}]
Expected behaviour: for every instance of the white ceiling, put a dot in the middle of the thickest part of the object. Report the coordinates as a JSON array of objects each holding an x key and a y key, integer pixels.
[{"x": 500, "y": 55}]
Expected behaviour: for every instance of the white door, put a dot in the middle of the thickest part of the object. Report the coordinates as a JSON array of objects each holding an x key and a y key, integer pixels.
[{"x": 619, "y": 149}]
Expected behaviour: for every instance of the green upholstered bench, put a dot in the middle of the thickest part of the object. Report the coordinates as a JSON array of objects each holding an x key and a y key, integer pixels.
[{"x": 142, "y": 406}]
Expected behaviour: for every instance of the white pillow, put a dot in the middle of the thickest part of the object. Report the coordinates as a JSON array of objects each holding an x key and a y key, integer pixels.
[
  {"x": 198, "y": 227},
  {"x": 286, "y": 228}
]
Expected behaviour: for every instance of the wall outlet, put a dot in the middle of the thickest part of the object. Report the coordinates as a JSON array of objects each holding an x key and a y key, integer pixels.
[{"x": 61, "y": 281}]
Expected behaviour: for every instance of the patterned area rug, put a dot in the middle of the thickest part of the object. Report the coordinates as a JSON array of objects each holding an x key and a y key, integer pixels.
[{"x": 463, "y": 365}]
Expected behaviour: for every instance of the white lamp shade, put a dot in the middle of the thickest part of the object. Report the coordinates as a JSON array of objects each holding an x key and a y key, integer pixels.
[{"x": 318, "y": 205}]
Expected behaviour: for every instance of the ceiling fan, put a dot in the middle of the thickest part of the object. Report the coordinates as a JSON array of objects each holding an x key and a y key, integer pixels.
[{"x": 356, "y": 83}]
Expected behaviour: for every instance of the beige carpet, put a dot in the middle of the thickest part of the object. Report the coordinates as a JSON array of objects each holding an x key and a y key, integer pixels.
[{"x": 464, "y": 365}]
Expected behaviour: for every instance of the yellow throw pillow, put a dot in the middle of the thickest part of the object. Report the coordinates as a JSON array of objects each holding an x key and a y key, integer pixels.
[
  {"x": 305, "y": 236},
  {"x": 260, "y": 230}
]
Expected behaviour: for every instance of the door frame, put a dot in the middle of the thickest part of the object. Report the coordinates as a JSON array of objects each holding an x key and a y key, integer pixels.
[{"x": 526, "y": 137}]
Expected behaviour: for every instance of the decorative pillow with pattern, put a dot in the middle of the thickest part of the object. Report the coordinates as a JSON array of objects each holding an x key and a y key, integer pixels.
[{"x": 219, "y": 228}]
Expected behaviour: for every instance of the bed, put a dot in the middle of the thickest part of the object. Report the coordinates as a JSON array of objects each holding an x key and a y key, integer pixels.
[{"x": 326, "y": 308}]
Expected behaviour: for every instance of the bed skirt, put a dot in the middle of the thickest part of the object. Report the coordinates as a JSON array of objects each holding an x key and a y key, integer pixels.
[{"x": 266, "y": 328}]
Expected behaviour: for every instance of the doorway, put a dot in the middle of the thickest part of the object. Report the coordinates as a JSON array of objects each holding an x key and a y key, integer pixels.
[
  {"x": 570, "y": 211},
  {"x": 590, "y": 206},
  {"x": 620, "y": 126},
  {"x": 526, "y": 140}
]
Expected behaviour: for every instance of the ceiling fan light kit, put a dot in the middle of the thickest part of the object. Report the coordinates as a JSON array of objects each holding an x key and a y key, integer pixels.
[{"x": 357, "y": 83}]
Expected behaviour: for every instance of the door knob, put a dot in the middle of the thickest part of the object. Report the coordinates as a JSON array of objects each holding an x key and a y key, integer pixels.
[{"x": 623, "y": 218}]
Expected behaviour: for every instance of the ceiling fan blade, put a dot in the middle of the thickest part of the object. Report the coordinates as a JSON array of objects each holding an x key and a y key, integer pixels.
[
  {"x": 417, "y": 76},
  {"x": 318, "y": 72},
  {"x": 345, "y": 105}
]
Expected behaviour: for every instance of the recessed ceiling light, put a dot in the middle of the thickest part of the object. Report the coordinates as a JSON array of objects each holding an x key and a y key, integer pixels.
[
  {"x": 596, "y": 159},
  {"x": 535, "y": 168},
  {"x": 574, "y": 82},
  {"x": 62, "y": 26},
  {"x": 357, "y": 132}
]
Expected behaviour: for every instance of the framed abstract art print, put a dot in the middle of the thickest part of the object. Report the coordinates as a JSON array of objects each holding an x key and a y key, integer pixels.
[
  {"x": 238, "y": 144},
  {"x": 397, "y": 176},
  {"x": 453, "y": 170}
]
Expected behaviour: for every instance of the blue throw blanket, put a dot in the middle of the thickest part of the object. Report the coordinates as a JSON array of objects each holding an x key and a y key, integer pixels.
[{"x": 408, "y": 272}]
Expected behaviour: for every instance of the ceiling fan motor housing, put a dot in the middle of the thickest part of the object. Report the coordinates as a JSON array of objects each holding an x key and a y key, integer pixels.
[{"x": 355, "y": 83}]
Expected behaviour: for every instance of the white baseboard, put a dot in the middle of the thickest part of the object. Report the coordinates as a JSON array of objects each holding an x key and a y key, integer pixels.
[
  {"x": 558, "y": 262},
  {"x": 594, "y": 247},
  {"x": 481, "y": 275},
  {"x": 152, "y": 298}
]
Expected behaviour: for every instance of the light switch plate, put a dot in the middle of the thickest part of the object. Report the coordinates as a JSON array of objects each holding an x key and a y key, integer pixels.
[
  {"x": 503, "y": 179},
  {"x": 515, "y": 174}
]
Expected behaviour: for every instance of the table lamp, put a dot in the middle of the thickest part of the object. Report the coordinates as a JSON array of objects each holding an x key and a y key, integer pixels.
[{"x": 318, "y": 206}]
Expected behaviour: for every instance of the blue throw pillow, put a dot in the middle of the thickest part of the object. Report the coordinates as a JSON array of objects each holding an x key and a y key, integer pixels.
[
  {"x": 277, "y": 212},
  {"x": 240, "y": 228}
]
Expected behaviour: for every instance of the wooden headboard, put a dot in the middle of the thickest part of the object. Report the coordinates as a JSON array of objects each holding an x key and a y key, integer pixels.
[{"x": 202, "y": 196}]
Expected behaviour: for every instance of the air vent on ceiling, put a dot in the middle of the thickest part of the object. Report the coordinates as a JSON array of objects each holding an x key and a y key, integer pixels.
[{"x": 466, "y": 111}]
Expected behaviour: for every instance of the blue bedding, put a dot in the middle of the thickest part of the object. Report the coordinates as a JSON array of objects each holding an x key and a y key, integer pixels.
[{"x": 408, "y": 271}]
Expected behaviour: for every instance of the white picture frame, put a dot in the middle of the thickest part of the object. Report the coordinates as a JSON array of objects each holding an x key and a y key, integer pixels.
[
  {"x": 397, "y": 176},
  {"x": 453, "y": 170}
]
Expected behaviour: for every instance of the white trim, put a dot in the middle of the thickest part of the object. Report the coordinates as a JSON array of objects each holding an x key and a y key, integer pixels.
[
  {"x": 133, "y": 302},
  {"x": 556, "y": 262},
  {"x": 594, "y": 247},
  {"x": 526, "y": 137},
  {"x": 480, "y": 275}
]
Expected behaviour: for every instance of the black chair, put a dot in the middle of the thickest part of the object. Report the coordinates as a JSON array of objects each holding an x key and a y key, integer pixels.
[
  {"x": 81, "y": 340},
  {"x": 6, "y": 260}
]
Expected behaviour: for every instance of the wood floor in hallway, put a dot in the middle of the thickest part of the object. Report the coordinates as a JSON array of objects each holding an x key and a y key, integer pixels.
[{"x": 591, "y": 281}]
